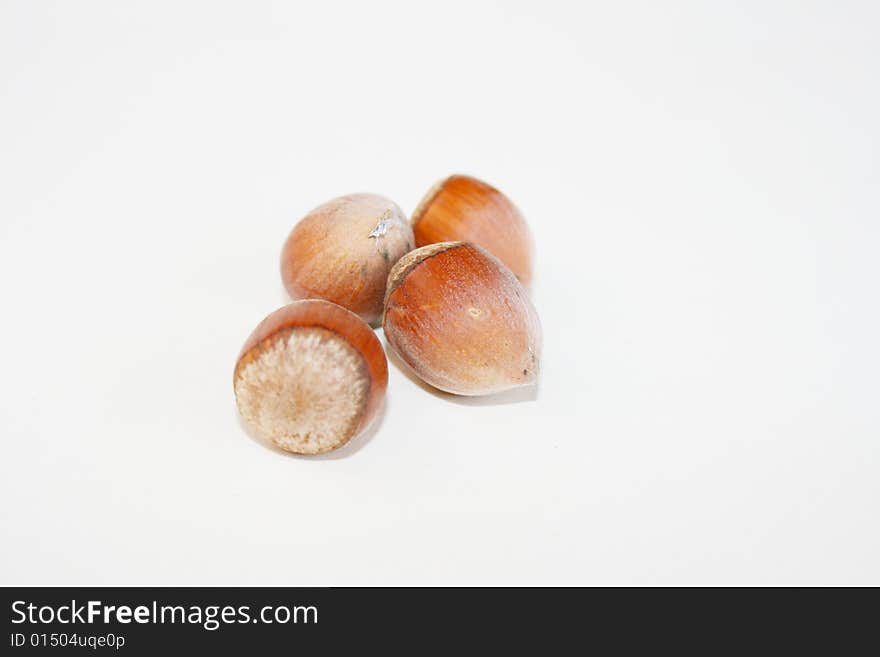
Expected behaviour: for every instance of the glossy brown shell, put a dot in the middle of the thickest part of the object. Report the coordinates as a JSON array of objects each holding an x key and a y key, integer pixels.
[
  {"x": 343, "y": 250},
  {"x": 461, "y": 320},
  {"x": 462, "y": 208}
]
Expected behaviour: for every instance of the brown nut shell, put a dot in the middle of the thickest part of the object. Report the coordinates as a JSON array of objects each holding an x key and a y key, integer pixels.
[
  {"x": 461, "y": 320},
  {"x": 310, "y": 377},
  {"x": 343, "y": 250},
  {"x": 462, "y": 208}
]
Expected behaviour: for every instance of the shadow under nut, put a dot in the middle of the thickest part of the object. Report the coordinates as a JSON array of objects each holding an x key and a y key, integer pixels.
[{"x": 461, "y": 320}]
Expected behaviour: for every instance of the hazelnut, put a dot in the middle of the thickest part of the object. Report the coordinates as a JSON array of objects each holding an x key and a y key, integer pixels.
[
  {"x": 461, "y": 320},
  {"x": 343, "y": 250},
  {"x": 310, "y": 377},
  {"x": 462, "y": 208}
]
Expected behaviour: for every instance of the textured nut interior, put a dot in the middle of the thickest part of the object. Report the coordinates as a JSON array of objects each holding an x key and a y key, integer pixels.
[{"x": 303, "y": 388}]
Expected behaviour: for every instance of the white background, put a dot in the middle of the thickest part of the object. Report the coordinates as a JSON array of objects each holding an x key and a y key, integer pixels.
[{"x": 702, "y": 181}]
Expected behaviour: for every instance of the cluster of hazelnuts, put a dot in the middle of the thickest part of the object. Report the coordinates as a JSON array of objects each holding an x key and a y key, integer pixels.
[{"x": 447, "y": 287}]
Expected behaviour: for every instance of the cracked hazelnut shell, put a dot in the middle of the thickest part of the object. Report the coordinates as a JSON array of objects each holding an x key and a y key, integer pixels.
[
  {"x": 310, "y": 377},
  {"x": 461, "y": 320},
  {"x": 343, "y": 250},
  {"x": 463, "y": 208}
]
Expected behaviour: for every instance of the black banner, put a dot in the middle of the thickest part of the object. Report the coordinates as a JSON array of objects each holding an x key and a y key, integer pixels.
[{"x": 136, "y": 621}]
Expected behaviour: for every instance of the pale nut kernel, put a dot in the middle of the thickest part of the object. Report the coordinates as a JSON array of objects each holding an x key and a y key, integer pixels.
[{"x": 310, "y": 377}]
